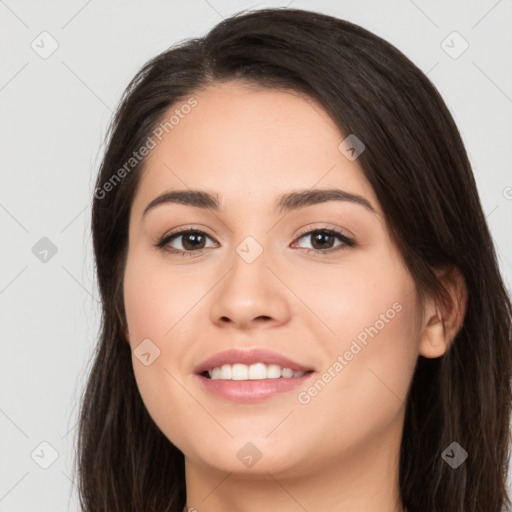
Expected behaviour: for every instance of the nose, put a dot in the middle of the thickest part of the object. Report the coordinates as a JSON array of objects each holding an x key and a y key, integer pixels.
[{"x": 250, "y": 295}]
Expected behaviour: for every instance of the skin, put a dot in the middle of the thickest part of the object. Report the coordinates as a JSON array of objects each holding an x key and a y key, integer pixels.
[{"x": 340, "y": 450}]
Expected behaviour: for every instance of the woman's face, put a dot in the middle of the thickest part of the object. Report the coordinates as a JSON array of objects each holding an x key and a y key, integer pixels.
[{"x": 259, "y": 280}]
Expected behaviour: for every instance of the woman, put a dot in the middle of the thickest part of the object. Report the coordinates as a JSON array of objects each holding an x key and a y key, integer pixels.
[{"x": 302, "y": 307}]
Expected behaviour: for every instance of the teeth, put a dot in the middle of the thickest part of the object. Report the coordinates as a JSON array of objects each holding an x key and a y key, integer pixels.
[{"x": 257, "y": 371}]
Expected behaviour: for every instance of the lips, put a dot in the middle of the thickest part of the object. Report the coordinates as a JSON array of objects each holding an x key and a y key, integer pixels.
[{"x": 249, "y": 357}]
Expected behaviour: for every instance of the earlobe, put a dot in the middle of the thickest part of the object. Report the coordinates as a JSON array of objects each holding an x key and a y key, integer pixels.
[{"x": 444, "y": 320}]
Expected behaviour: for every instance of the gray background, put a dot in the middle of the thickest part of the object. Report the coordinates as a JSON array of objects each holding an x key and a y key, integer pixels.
[{"x": 54, "y": 111}]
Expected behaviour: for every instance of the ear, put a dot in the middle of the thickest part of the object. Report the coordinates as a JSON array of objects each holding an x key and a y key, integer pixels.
[
  {"x": 443, "y": 320},
  {"x": 127, "y": 335}
]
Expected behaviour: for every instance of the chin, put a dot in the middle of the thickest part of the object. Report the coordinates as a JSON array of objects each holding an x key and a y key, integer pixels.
[{"x": 257, "y": 457}]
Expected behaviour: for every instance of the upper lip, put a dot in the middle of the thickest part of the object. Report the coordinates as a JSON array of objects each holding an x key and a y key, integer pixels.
[{"x": 249, "y": 357}]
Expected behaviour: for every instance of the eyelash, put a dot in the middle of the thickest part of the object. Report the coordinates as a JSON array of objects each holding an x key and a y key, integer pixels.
[{"x": 347, "y": 242}]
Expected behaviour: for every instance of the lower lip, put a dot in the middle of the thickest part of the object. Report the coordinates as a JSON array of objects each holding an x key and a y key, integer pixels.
[{"x": 250, "y": 391}]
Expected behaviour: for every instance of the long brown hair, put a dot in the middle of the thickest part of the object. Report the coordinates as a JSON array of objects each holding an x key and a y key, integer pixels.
[{"x": 417, "y": 165}]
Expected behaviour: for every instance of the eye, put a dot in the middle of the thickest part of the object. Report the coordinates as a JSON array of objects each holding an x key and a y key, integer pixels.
[
  {"x": 323, "y": 238},
  {"x": 193, "y": 241}
]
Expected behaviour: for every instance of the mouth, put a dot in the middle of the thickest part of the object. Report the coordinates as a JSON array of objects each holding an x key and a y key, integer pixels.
[
  {"x": 243, "y": 390},
  {"x": 248, "y": 376},
  {"x": 256, "y": 371},
  {"x": 250, "y": 364}
]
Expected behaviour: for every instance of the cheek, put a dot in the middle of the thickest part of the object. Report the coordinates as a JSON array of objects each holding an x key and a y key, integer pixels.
[
  {"x": 368, "y": 296},
  {"x": 370, "y": 308},
  {"x": 155, "y": 301},
  {"x": 157, "y": 298}
]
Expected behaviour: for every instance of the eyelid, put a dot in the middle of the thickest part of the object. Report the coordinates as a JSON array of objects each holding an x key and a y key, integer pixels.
[
  {"x": 176, "y": 233},
  {"x": 325, "y": 226},
  {"x": 348, "y": 240}
]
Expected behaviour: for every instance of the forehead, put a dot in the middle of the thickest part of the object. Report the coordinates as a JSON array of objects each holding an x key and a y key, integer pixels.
[{"x": 249, "y": 144}]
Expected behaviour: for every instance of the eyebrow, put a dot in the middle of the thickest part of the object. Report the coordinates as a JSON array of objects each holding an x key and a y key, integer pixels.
[{"x": 285, "y": 203}]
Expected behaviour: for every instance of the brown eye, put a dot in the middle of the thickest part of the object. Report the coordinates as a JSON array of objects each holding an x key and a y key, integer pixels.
[
  {"x": 191, "y": 241},
  {"x": 322, "y": 240}
]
